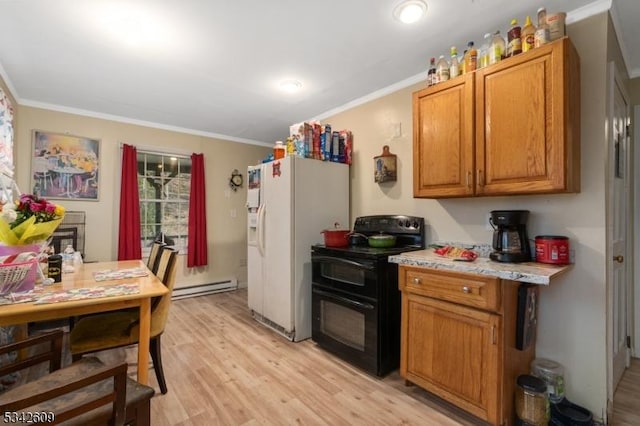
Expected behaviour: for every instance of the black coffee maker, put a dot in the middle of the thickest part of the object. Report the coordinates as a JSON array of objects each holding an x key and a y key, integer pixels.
[{"x": 510, "y": 240}]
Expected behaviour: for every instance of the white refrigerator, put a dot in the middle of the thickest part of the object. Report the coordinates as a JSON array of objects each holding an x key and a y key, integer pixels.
[{"x": 290, "y": 202}]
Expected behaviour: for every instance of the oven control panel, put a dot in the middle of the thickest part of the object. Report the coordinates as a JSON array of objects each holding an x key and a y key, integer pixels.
[{"x": 389, "y": 224}]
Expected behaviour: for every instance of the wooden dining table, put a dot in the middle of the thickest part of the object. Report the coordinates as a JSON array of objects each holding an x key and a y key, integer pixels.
[{"x": 83, "y": 278}]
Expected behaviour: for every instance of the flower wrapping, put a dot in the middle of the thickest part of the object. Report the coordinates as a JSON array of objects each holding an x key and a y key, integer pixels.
[{"x": 29, "y": 220}]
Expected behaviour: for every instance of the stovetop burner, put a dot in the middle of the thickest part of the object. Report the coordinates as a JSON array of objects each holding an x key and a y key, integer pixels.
[{"x": 409, "y": 232}]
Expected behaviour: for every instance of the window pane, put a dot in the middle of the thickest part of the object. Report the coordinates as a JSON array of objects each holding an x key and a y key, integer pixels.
[
  {"x": 164, "y": 183},
  {"x": 153, "y": 164}
]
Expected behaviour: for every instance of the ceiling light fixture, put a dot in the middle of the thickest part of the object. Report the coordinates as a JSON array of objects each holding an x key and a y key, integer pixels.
[
  {"x": 410, "y": 11},
  {"x": 290, "y": 86}
]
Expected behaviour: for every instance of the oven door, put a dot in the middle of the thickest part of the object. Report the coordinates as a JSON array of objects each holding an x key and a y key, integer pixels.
[
  {"x": 345, "y": 326},
  {"x": 354, "y": 276}
]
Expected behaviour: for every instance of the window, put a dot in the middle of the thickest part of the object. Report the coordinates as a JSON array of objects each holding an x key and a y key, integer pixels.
[{"x": 164, "y": 182}]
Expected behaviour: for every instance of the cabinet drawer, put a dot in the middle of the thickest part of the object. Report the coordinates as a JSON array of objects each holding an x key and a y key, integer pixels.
[{"x": 457, "y": 287}]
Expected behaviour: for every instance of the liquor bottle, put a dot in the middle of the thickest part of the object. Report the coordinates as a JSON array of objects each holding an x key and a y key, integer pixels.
[
  {"x": 454, "y": 67},
  {"x": 528, "y": 35},
  {"x": 431, "y": 75}
]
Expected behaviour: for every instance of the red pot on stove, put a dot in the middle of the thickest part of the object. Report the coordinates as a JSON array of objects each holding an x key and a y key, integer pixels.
[
  {"x": 336, "y": 237},
  {"x": 552, "y": 249}
]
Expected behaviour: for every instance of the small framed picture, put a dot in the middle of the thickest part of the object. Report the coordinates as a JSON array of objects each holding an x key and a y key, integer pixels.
[
  {"x": 385, "y": 166},
  {"x": 65, "y": 166}
]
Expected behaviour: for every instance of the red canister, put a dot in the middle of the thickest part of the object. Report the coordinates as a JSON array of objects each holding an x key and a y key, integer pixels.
[{"x": 552, "y": 249}]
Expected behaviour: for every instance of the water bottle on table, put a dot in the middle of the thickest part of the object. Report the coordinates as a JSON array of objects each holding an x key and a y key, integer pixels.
[{"x": 67, "y": 259}]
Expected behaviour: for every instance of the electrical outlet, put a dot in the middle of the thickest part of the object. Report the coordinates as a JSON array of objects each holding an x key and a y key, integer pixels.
[{"x": 243, "y": 262}]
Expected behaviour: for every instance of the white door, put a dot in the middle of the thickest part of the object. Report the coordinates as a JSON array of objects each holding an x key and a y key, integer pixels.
[
  {"x": 277, "y": 181},
  {"x": 617, "y": 227}
]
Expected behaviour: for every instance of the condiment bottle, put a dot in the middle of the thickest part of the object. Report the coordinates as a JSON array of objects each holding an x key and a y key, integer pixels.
[
  {"x": 514, "y": 43},
  {"x": 278, "y": 150},
  {"x": 454, "y": 67},
  {"x": 497, "y": 49},
  {"x": 431, "y": 74},
  {"x": 442, "y": 70},
  {"x": 471, "y": 58},
  {"x": 542, "y": 34},
  {"x": 528, "y": 35}
]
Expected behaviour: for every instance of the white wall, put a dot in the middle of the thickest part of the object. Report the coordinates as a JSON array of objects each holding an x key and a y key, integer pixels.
[{"x": 572, "y": 325}]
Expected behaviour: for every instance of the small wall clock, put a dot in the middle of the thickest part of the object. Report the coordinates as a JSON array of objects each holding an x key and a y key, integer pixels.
[{"x": 236, "y": 180}]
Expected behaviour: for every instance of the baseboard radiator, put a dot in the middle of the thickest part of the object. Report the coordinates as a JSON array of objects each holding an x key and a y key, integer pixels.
[{"x": 204, "y": 289}]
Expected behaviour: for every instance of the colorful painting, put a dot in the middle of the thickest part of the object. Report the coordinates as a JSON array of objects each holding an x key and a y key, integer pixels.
[
  {"x": 65, "y": 166},
  {"x": 6, "y": 135}
]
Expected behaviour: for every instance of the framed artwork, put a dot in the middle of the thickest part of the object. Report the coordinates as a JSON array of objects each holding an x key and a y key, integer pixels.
[
  {"x": 65, "y": 166},
  {"x": 6, "y": 135}
]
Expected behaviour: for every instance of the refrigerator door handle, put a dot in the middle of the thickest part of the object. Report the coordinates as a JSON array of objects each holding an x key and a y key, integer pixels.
[{"x": 260, "y": 228}]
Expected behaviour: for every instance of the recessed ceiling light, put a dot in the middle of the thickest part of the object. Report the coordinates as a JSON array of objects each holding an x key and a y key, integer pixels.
[
  {"x": 290, "y": 86},
  {"x": 410, "y": 11}
]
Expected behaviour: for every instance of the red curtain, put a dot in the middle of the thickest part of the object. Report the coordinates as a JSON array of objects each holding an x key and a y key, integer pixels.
[
  {"x": 197, "y": 247},
  {"x": 129, "y": 234}
]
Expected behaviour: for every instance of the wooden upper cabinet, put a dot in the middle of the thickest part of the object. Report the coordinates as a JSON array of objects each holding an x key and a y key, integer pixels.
[
  {"x": 443, "y": 139},
  {"x": 525, "y": 128}
]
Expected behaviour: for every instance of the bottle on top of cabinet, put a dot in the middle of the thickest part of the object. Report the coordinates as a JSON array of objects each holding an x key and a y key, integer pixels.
[
  {"x": 528, "y": 35},
  {"x": 454, "y": 67},
  {"x": 431, "y": 74},
  {"x": 542, "y": 34},
  {"x": 483, "y": 53},
  {"x": 514, "y": 43},
  {"x": 442, "y": 70},
  {"x": 278, "y": 150},
  {"x": 470, "y": 58},
  {"x": 497, "y": 49}
]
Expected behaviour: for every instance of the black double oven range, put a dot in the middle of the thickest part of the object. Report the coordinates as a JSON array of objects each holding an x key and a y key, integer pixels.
[{"x": 355, "y": 296}]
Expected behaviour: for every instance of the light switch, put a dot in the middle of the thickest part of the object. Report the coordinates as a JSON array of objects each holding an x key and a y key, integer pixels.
[
  {"x": 234, "y": 213},
  {"x": 397, "y": 130}
]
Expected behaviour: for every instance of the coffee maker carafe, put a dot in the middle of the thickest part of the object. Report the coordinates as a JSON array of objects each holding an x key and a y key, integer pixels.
[{"x": 510, "y": 240}]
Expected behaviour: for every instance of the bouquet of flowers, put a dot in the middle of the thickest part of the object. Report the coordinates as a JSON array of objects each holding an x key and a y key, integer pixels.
[{"x": 29, "y": 220}]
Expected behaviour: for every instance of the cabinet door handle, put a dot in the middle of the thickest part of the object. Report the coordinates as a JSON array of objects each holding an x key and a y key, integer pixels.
[
  {"x": 480, "y": 181},
  {"x": 417, "y": 281},
  {"x": 466, "y": 290},
  {"x": 493, "y": 335},
  {"x": 469, "y": 179}
]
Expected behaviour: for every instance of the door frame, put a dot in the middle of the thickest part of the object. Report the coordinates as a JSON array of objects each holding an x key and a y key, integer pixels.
[
  {"x": 635, "y": 147},
  {"x": 614, "y": 78}
]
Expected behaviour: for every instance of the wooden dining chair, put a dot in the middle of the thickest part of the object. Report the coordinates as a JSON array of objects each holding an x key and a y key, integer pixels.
[
  {"x": 121, "y": 328},
  {"x": 86, "y": 392},
  {"x": 154, "y": 255}
]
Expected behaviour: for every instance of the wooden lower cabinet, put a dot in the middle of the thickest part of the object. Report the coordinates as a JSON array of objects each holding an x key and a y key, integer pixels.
[{"x": 457, "y": 351}]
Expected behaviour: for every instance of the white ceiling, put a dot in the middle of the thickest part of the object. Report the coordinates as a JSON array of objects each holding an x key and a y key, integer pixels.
[{"x": 211, "y": 67}]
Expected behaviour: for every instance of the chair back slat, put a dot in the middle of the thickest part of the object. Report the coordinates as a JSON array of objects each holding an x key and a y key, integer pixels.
[
  {"x": 154, "y": 255},
  {"x": 53, "y": 355},
  {"x": 160, "y": 306}
]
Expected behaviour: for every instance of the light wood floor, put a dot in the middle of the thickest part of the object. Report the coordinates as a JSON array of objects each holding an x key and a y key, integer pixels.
[
  {"x": 224, "y": 368},
  {"x": 626, "y": 405}
]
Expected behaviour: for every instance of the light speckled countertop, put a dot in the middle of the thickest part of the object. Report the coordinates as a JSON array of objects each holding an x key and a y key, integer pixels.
[{"x": 528, "y": 272}]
